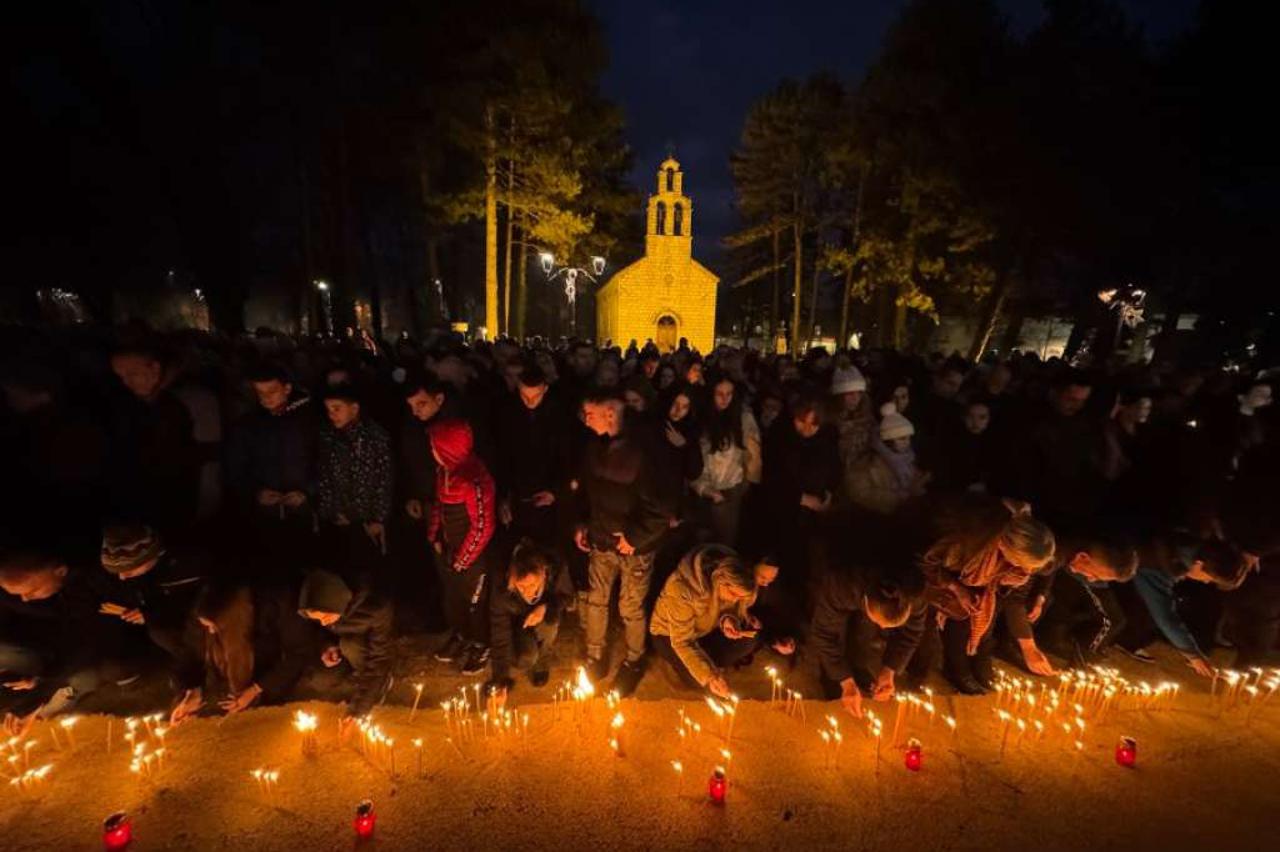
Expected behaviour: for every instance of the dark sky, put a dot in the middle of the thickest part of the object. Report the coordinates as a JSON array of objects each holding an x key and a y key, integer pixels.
[{"x": 686, "y": 71}]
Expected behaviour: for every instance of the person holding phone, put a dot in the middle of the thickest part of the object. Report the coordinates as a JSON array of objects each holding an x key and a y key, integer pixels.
[{"x": 702, "y": 622}]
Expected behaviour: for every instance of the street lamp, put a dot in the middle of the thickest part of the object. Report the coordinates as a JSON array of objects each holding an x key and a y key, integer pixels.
[
  {"x": 571, "y": 274},
  {"x": 326, "y": 303}
]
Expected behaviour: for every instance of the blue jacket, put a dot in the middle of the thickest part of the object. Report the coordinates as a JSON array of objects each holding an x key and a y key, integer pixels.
[{"x": 1154, "y": 584}]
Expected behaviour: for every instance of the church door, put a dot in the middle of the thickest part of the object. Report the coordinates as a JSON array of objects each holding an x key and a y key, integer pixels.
[{"x": 668, "y": 334}]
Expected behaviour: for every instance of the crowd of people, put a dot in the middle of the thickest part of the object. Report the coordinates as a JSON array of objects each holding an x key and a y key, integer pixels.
[{"x": 245, "y": 510}]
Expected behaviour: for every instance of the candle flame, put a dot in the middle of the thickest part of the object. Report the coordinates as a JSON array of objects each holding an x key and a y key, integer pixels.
[{"x": 585, "y": 688}]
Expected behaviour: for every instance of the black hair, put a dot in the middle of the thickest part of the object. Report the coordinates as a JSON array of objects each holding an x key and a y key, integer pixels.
[
  {"x": 345, "y": 392},
  {"x": 723, "y": 428},
  {"x": 1072, "y": 377},
  {"x": 597, "y": 395},
  {"x": 420, "y": 381},
  {"x": 1112, "y": 549},
  {"x": 269, "y": 371},
  {"x": 893, "y": 596},
  {"x": 532, "y": 376},
  {"x": 530, "y": 559},
  {"x": 806, "y": 401},
  {"x": 1224, "y": 562}
]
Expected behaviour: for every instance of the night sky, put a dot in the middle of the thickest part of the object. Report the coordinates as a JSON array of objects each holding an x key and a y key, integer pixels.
[{"x": 686, "y": 71}]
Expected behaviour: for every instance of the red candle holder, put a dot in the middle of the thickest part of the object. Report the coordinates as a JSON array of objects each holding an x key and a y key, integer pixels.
[
  {"x": 365, "y": 819},
  {"x": 117, "y": 831},
  {"x": 1127, "y": 752},
  {"x": 914, "y": 757},
  {"x": 718, "y": 786}
]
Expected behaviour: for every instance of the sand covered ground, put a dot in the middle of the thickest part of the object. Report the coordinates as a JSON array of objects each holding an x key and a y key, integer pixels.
[{"x": 1203, "y": 778}]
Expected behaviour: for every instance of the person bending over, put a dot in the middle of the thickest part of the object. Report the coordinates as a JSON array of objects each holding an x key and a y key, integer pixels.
[
  {"x": 358, "y": 627},
  {"x": 702, "y": 622},
  {"x": 524, "y": 611}
]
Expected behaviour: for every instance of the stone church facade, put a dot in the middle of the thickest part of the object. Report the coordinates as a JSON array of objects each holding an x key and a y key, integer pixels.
[{"x": 665, "y": 295}]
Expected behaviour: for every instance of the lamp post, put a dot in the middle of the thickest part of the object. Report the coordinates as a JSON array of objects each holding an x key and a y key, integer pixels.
[
  {"x": 570, "y": 274},
  {"x": 326, "y": 304}
]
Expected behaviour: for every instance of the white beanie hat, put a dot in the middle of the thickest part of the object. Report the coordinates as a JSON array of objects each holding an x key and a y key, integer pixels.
[
  {"x": 847, "y": 380},
  {"x": 894, "y": 425}
]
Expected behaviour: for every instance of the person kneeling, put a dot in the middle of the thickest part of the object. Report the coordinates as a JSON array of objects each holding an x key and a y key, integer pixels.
[
  {"x": 524, "y": 614},
  {"x": 255, "y": 644},
  {"x": 849, "y": 596},
  {"x": 359, "y": 628},
  {"x": 701, "y": 623}
]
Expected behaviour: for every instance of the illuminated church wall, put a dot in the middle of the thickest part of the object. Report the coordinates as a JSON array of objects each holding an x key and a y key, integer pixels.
[{"x": 666, "y": 294}]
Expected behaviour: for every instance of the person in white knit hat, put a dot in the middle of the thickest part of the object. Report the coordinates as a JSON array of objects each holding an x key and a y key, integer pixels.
[
  {"x": 887, "y": 477},
  {"x": 851, "y": 413}
]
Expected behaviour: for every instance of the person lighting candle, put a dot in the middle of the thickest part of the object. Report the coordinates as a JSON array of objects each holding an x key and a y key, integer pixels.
[{"x": 702, "y": 622}]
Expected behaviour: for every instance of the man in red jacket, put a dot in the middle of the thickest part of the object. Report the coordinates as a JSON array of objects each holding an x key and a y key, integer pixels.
[{"x": 462, "y": 524}]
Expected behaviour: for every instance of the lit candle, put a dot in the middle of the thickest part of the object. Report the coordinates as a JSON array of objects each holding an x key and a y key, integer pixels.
[
  {"x": 117, "y": 832},
  {"x": 365, "y": 820},
  {"x": 417, "y": 696},
  {"x": 679, "y": 768},
  {"x": 306, "y": 724},
  {"x": 417, "y": 747},
  {"x": 616, "y": 741},
  {"x": 718, "y": 785},
  {"x": 914, "y": 757},
  {"x": 1127, "y": 752}
]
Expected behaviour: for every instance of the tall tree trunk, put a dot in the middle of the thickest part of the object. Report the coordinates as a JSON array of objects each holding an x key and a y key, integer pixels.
[
  {"x": 490, "y": 227},
  {"x": 899, "y": 320},
  {"x": 506, "y": 270},
  {"x": 511, "y": 216},
  {"x": 990, "y": 315},
  {"x": 813, "y": 305},
  {"x": 856, "y": 237},
  {"x": 777, "y": 282},
  {"x": 522, "y": 290},
  {"x": 797, "y": 234}
]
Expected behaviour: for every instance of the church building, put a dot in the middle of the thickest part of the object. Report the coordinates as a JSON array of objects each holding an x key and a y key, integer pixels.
[{"x": 665, "y": 295}]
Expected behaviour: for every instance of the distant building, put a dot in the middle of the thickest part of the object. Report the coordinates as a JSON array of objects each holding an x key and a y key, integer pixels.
[{"x": 665, "y": 295}]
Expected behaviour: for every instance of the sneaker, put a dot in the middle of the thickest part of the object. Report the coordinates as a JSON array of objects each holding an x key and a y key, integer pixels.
[
  {"x": 628, "y": 678},
  {"x": 62, "y": 699},
  {"x": 476, "y": 660},
  {"x": 451, "y": 649},
  {"x": 1140, "y": 654}
]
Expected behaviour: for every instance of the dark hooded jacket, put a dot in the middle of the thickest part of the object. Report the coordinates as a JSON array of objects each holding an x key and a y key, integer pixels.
[{"x": 366, "y": 618}]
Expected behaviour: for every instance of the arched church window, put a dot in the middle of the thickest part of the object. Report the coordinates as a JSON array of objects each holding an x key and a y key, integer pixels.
[
  {"x": 662, "y": 218},
  {"x": 677, "y": 220},
  {"x": 671, "y": 180}
]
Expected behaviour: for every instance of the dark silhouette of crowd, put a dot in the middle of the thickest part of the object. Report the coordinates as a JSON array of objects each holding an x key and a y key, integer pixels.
[{"x": 242, "y": 511}]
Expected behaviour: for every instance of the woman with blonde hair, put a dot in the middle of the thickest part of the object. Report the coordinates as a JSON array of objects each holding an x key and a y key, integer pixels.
[
  {"x": 986, "y": 548},
  {"x": 702, "y": 622}
]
